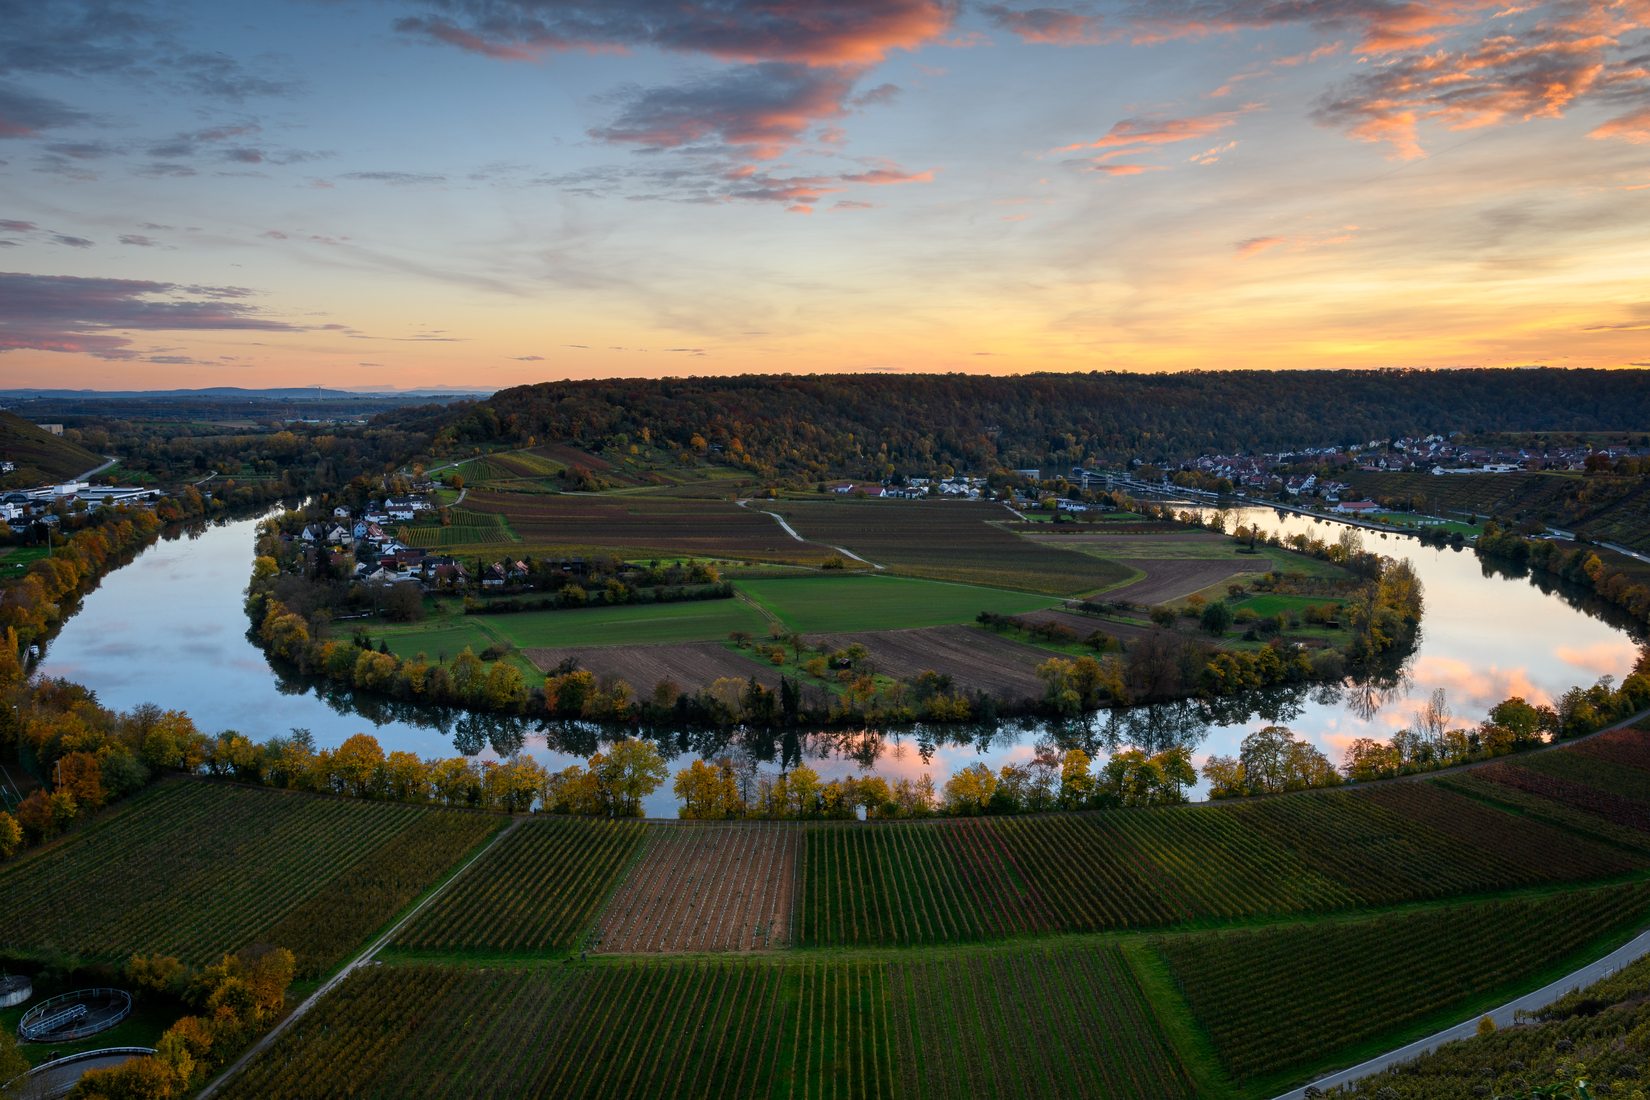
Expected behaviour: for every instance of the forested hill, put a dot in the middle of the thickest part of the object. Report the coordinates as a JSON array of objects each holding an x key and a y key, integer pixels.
[{"x": 871, "y": 425}]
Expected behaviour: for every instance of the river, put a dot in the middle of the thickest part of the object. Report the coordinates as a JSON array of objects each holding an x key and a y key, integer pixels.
[{"x": 169, "y": 629}]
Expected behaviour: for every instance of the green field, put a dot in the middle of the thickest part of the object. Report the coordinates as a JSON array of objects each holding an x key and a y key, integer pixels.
[
  {"x": 874, "y": 602},
  {"x": 1270, "y": 603}
]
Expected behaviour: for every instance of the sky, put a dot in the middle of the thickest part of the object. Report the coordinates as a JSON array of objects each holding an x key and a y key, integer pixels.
[{"x": 473, "y": 194}]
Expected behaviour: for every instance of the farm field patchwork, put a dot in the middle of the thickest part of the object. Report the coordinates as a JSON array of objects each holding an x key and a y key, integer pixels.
[
  {"x": 630, "y": 624},
  {"x": 714, "y": 887},
  {"x": 536, "y": 891},
  {"x": 1018, "y": 1023},
  {"x": 1277, "y": 1001},
  {"x": 196, "y": 869}
]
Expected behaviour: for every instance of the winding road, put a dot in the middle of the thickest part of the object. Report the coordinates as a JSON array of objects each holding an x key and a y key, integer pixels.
[{"x": 1504, "y": 1016}]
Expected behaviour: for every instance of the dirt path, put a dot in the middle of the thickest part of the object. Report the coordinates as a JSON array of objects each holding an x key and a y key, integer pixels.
[
  {"x": 791, "y": 531},
  {"x": 363, "y": 959}
]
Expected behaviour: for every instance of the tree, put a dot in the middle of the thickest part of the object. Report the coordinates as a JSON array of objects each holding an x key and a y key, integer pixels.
[
  {"x": 403, "y": 602},
  {"x": 11, "y": 835},
  {"x": 969, "y": 790},
  {"x": 12, "y": 1061},
  {"x": 631, "y": 770},
  {"x": 708, "y": 792},
  {"x": 1216, "y": 618},
  {"x": 1076, "y": 784}
]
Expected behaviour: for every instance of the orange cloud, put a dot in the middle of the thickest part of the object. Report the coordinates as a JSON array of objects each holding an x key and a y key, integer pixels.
[
  {"x": 1256, "y": 245},
  {"x": 1125, "y": 169},
  {"x": 810, "y": 32},
  {"x": 1538, "y": 73},
  {"x": 1632, "y": 127},
  {"x": 1130, "y": 132},
  {"x": 879, "y": 176}
]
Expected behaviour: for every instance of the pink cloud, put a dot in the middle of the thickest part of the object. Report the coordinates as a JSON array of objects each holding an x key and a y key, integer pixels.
[
  {"x": 1131, "y": 133},
  {"x": 1256, "y": 245},
  {"x": 1632, "y": 127}
]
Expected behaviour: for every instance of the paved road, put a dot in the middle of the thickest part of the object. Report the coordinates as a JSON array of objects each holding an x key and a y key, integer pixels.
[
  {"x": 363, "y": 959},
  {"x": 1503, "y": 1016},
  {"x": 95, "y": 470}
]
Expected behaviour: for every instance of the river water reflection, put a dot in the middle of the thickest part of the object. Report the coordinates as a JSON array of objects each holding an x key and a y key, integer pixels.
[{"x": 169, "y": 629}]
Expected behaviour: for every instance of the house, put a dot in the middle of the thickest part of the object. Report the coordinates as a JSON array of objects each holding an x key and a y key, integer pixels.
[
  {"x": 360, "y": 529},
  {"x": 493, "y": 576},
  {"x": 517, "y": 571},
  {"x": 1357, "y": 507},
  {"x": 340, "y": 512},
  {"x": 338, "y": 534},
  {"x": 450, "y": 575},
  {"x": 410, "y": 557}
]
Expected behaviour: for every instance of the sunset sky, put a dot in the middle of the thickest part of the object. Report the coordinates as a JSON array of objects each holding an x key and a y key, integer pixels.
[{"x": 477, "y": 193}]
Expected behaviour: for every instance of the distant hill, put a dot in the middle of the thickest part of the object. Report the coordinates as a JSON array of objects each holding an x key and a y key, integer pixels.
[
  {"x": 40, "y": 455},
  {"x": 288, "y": 393},
  {"x": 805, "y": 427}
]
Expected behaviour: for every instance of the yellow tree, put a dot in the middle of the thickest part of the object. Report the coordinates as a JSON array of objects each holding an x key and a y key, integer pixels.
[{"x": 969, "y": 790}]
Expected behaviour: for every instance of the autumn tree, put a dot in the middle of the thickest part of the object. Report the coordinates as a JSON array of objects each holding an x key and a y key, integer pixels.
[{"x": 630, "y": 771}]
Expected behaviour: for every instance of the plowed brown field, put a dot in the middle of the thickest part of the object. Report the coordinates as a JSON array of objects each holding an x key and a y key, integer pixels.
[
  {"x": 689, "y": 665},
  {"x": 713, "y": 887},
  {"x": 975, "y": 659}
]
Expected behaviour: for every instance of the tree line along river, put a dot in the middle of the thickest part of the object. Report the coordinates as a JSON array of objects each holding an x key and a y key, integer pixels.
[{"x": 169, "y": 629}]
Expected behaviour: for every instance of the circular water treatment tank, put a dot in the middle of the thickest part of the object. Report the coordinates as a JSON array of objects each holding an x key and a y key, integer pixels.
[
  {"x": 70, "y": 1016},
  {"x": 14, "y": 990}
]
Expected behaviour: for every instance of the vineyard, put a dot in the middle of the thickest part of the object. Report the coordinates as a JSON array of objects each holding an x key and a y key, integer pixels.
[
  {"x": 198, "y": 869},
  {"x": 951, "y": 541},
  {"x": 1605, "y": 1027},
  {"x": 1291, "y": 997},
  {"x": 706, "y": 888},
  {"x": 467, "y": 529},
  {"x": 962, "y": 880},
  {"x": 643, "y": 525},
  {"x": 537, "y": 890},
  {"x": 1005, "y": 1024}
]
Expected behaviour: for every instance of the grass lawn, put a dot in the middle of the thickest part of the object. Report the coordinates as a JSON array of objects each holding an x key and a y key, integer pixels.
[
  {"x": 869, "y": 602},
  {"x": 1415, "y": 521},
  {"x": 1270, "y": 603},
  {"x": 433, "y": 637},
  {"x": 18, "y": 558},
  {"x": 631, "y": 624}
]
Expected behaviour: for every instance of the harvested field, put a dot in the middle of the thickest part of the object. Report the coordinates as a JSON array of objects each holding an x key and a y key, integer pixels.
[
  {"x": 1085, "y": 625},
  {"x": 690, "y": 664},
  {"x": 643, "y": 525},
  {"x": 1166, "y": 540},
  {"x": 715, "y": 887},
  {"x": 1172, "y": 580},
  {"x": 950, "y": 541},
  {"x": 972, "y": 657}
]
